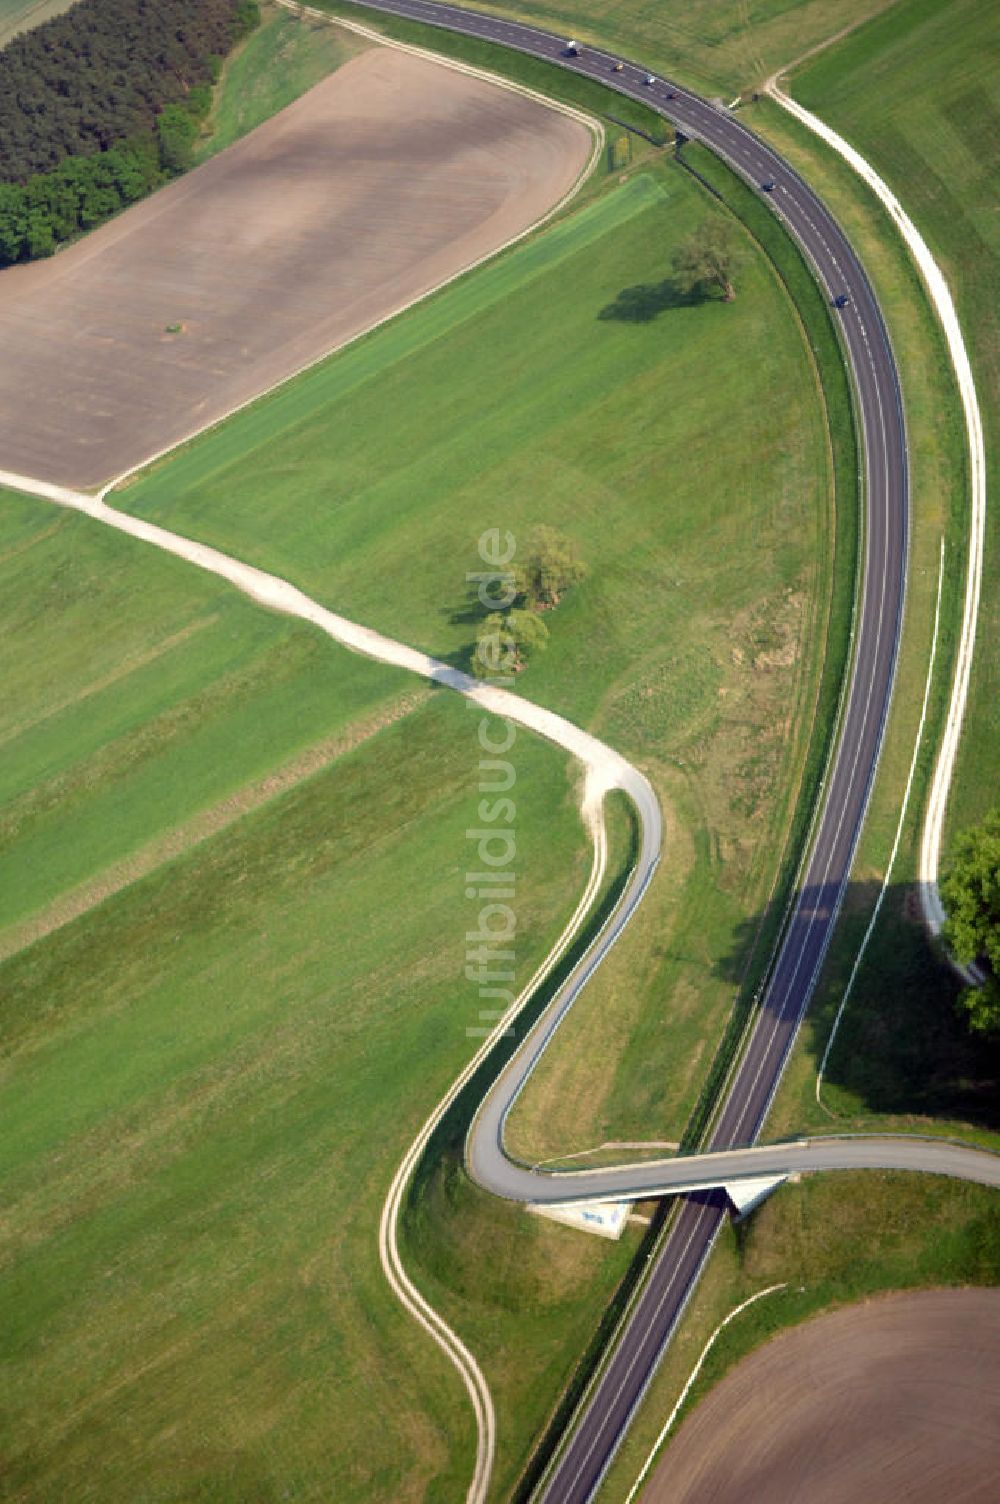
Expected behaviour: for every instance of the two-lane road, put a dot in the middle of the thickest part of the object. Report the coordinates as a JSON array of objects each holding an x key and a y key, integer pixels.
[{"x": 852, "y": 769}]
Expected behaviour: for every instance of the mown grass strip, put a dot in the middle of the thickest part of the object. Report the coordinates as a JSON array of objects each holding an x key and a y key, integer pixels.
[{"x": 916, "y": 90}]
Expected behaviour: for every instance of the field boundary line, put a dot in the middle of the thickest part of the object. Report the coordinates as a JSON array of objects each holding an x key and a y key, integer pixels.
[
  {"x": 604, "y": 769},
  {"x": 598, "y": 138},
  {"x": 827, "y": 42},
  {"x": 932, "y": 908},
  {"x": 895, "y": 847},
  {"x": 692, "y": 1376}
]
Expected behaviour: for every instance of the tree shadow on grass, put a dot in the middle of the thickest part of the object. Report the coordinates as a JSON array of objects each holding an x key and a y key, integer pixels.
[
  {"x": 645, "y": 301},
  {"x": 902, "y": 1046}
]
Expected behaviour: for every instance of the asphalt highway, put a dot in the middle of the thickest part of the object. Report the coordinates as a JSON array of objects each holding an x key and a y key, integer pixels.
[{"x": 842, "y": 805}]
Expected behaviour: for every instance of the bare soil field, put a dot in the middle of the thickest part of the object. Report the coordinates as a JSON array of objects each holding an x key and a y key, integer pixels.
[
  {"x": 385, "y": 179},
  {"x": 893, "y": 1400}
]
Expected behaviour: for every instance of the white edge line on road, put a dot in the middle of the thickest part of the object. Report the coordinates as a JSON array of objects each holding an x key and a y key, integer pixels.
[
  {"x": 599, "y": 779},
  {"x": 895, "y": 845},
  {"x": 598, "y": 137},
  {"x": 604, "y": 769},
  {"x": 941, "y": 299},
  {"x": 692, "y": 1376}
]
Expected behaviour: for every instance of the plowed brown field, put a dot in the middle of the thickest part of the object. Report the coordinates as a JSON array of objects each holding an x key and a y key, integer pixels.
[
  {"x": 376, "y": 186},
  {"x": 896, "y": 1401}
]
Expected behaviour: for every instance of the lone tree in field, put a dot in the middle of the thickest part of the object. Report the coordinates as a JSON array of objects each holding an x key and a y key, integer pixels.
[
  {"x": 550, "y": 569},
  {"x": 706, "y": 260},
  {"x": 507, "y": 638},
  {"x": 971, "y": 893},
  {"x": 505, "y": 641}
]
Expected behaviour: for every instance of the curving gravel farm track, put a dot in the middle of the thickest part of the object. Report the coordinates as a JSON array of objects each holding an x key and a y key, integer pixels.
[
  {"x": 894, "y": 1401},
  {"x": 379, "y": 185}
]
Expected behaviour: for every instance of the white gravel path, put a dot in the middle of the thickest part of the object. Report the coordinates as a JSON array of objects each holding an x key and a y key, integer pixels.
[{"x": 944, "y": 305}]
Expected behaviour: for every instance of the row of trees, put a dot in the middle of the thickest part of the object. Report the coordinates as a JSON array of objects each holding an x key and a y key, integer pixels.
[
  {"x": 102, "y": 72},
  {"x": 507, "y": 638}
]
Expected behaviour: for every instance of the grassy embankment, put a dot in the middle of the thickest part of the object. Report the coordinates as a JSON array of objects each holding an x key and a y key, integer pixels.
[
  {"x": 277, "y": 63},
  {"x": 211, "y": 1074},
  {"x": 692, "y": 645},
  {"x": 933, "y": 66},
  {"x": 551, "y": 1106},
  {"x": 900, "y": 1050}
]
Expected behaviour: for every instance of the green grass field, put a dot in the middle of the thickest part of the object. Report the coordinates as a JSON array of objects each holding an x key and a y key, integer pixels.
[
  {"x": 277, "y": 63},
  {"x": 901, "y": 1051},
  {"x": 833, "y": 1239},
  {"x": 934, "y": 134},
  {"x": 698, "y": 617},
  {"x": 210, "y": 1076}
]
